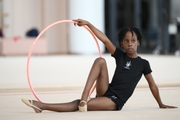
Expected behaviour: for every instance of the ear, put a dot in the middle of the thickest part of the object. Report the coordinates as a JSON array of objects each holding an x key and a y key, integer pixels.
[{"x": 138, "y": 43}]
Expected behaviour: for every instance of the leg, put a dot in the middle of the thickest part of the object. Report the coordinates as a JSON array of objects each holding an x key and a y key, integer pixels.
[
  {"x": 101, "y": 103},
  {"x": 62, "y": 107},
  {"x": 58, "y": 107},
  {"x": 98, "y": 73}
]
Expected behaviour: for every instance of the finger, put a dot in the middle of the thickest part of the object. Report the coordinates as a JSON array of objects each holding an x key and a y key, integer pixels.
[
  {"x": 75, "y": 23},
  {"x": 171, "y": 107}
]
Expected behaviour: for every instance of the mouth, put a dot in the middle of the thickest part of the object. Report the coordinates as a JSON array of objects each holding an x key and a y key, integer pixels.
[{"x": 130, "y": 49}]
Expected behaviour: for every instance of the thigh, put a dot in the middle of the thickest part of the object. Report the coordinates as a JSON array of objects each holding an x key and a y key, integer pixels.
[
  {"x": 101, "y": 103},
  {"x": 102, "y": 82}
]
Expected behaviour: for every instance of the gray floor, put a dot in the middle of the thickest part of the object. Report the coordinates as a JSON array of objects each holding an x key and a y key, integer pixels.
[{"x": 141, "y": 106}]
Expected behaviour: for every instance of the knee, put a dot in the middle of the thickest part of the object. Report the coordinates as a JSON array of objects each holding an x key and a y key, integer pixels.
[{"x": 100, "y": 60}]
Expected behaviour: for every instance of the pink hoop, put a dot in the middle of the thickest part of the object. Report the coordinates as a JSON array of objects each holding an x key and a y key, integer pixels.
[{"x": 37, "y": 38}]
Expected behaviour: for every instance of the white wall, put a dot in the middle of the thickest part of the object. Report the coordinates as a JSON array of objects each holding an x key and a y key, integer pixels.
[
  {"x": 55, "y": 10},
  {"x": 72, "y": 70},
  {"x": 80, "y": 40},
  {"x": 22, "y": 16},
  {"x": 26, "y": 14}
]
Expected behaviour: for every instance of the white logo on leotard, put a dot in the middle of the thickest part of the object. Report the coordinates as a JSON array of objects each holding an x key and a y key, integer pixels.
[{"x": 128, "y": 64}]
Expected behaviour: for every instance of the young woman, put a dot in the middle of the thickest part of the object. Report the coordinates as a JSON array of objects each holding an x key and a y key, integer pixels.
[{"x": 110, "y": 96}]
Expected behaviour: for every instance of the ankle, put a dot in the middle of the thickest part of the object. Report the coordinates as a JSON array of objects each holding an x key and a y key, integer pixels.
[
  {"x": 82, "y": 103},
  {"x": 86, "y": 98},
  {"x": 39, "y": 104},
  {"x": 83, "y": 106}
]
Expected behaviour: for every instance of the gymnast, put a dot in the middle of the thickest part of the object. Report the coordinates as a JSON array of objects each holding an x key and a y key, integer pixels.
[{"x": 109, "y": 96}]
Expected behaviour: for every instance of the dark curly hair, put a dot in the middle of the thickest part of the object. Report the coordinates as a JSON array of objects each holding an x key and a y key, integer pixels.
[{"x": 124, "y": 30}]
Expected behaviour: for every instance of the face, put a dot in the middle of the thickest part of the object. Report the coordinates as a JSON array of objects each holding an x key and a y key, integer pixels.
[{"x": 130, "y": 43}]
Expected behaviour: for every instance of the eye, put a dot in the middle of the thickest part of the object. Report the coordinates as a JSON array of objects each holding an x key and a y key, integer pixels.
[
  {"x": 125, "y": 41},
  {"x": 133, "y": 41}
]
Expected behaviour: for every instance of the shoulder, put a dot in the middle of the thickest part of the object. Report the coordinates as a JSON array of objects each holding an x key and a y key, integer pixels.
[
  {"x": 145, "y": 61},
  {"x": 146, "y": 66},
  {"x": 117, "y": 52}
]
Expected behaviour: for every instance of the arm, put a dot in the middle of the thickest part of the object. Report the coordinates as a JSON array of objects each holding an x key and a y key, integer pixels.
[
  {"x": 100, "y": 35},
  {"x": 155, "y": 91}
]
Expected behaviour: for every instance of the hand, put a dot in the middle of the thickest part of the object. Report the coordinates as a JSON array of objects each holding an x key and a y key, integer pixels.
[
  {"x": 167, "y": 106},
  {"x": 80, "y": 22}
]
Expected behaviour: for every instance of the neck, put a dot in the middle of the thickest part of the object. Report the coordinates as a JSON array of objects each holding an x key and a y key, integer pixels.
[{"x": 132, "y": 55}]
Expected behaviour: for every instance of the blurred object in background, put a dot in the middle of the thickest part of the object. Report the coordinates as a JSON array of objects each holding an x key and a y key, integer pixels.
[
  {"x": 172, "y": 29},
  {"x": 32, "y": 32},
  {"x": 153, "y": 17},
  {"x": 1, "y": 33},
  {"x": 177, "y": 52},
  {"x": 15, "y": 39}
]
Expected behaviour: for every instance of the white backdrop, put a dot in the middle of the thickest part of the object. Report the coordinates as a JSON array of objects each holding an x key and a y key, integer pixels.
[{"x": 80, "y": 41}]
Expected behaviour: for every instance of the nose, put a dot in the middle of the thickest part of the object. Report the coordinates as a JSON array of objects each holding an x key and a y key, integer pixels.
[{"x": 129, "y": 43}]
